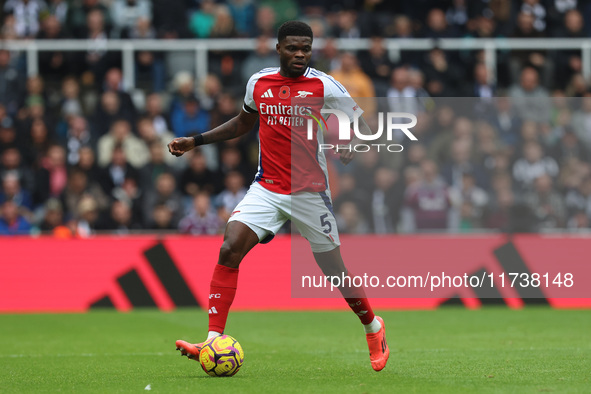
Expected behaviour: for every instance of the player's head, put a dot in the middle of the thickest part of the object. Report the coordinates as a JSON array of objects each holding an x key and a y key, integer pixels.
[{"x": 294, "y": 46}]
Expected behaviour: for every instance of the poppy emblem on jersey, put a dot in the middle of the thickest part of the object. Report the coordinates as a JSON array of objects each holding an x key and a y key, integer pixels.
[{"x": 284, "y": 92}]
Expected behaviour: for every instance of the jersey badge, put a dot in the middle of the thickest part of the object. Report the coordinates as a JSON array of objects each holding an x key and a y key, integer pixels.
[{"x": 303, "y": 93}]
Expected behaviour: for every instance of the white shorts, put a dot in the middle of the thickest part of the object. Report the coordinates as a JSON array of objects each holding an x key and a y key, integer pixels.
[{"x": 265, "y": 212}]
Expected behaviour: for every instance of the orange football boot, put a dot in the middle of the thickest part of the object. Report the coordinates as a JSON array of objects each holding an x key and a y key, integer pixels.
[
  {"x": 191, "y": 350},
  {"x": 378, "y": 347}
]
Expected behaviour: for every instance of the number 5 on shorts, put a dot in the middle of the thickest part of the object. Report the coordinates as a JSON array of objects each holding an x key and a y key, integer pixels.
[{"x": 324, "y": 223}]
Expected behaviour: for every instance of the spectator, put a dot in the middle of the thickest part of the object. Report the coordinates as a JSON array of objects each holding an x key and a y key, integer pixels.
[
  {"x": 155, "y": 112},
  {"x": 284, "y": 10},
  {"x": 262, "y": 55},
  {"x": 569, "y": 63},
  {"x": 579, "y": 199},
  {"x": 131, "y": 194},
  {"x": 461, "y": 161},
  {"x": 53, "y": 65},
  {"x": 377, "y": 65},
  {"x": 190, "y": 119},
  {"x": 11, "y": 190},
  {"x": 11, "y": 163},
  {"x": 346, "y": 26},
  {"x": 402, "y": 97},
  {"x": 197, "y": 177},
  {"x": 149, "y": 65},
  {"x": 436, "y": 25},
  {"x": 163, "y": 218},
  {"x": 184, "y": 87},
  {"x": 498, "y": 216},
  {"x": 547, "y": 204},
  {"x": 202, "y": 220},
  {"x": 125, "y": 13},
  {"x": 170, "y": 18},
  {"x": 537, "y": 59},
  {"x": 233, "y": 193},
  {"x": 357, "y": 83},
  {"x": 148, "y": 134},
  {"x": 350, "y": 220},
  {"x": 26, "y": 16},
  {"x": 504, "y": 119},
  {"x": 538, "y": 11},
  {"x": 135, "y": 149},
  {"x": 11, "y": 223},
  {"x": 471, "y": 200},
  {"x": 155, "y": 167},
  {"x": 482, "y": 86},
  {"x": 117, "y": 171},
  {"x": 443, "y": 79},
  {"x": 38, "y": 143},
  {"x": 58, "y": 9},
  {"x": 224, "y": 24},
  {"x": 114, "y": 83},
  {"x": 533, "y": 165},
  {"x": 97, "y": 60},
  {"x": 10, "y": 83},
  {"x": 163, "y": 206},
  {"x": 53, "y": 216},
  {"x": 581, "y": 122},
  {"x": 243, "y": 13},
  {"x": 532, "y": 102},
  {"x": 71, "y": 103},
  {"x": 386, "y": 201},
  {"x": 87, "y": 215},
  {"x": 78, "y": 136},
  {"x": 120, "y": 219},
  {"x": 78, "y": 17},
  {"x": 428, "y": 200},
  {"x": 87, "y": 163},
  {"x": 266, "y": 20},
  {"x": 202, "y": 21},
  {"x": 78, "y": 188}
]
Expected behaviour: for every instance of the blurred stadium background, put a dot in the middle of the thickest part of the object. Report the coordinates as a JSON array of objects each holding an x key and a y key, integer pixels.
[
  {"x": 91, "y": 91},
  {"x": 84, "y": 124},
  {"x": 92, "y": 204}
]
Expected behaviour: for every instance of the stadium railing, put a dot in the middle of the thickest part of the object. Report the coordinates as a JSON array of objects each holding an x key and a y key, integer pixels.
[{"x": 201, "y": 47}]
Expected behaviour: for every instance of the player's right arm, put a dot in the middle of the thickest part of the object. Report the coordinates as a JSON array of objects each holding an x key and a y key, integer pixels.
[{"x": 235, "y": 127}]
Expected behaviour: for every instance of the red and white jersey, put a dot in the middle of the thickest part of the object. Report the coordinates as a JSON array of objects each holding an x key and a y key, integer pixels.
[{"x": 288, "y": 161}]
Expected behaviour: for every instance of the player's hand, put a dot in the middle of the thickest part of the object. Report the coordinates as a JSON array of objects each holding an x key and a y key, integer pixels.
[
  {"x": 346, "y": 152},
  {"x": 178, "y": 146}
]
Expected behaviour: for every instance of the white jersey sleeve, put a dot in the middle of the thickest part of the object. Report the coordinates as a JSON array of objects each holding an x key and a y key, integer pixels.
[
  {"x": 249, "y": 104},
  {"x": 337, "y": 97}
]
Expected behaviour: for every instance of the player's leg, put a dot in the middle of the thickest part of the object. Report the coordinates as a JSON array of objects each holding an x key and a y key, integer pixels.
[
  {"x": 312, "y": 214},
  {"x": 332, "y": 265},
  {"x": 255, "y": 220},
  {"x": 239, "y": 239}
]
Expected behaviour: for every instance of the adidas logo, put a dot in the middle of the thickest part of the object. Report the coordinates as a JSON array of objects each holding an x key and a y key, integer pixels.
[
  {"x": 268, "y": 93},
  {"x": 361, "y": 313},
  {"x": 213, "y": 311}
]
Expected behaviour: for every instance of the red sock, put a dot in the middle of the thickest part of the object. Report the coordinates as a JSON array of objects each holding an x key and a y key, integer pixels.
[
  {"x": 358, "y": 302},
  {"x": 221, "y": 294}
]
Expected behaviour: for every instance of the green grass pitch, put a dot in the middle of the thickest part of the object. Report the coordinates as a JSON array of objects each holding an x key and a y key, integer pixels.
[{"x": 535, "y": 349}]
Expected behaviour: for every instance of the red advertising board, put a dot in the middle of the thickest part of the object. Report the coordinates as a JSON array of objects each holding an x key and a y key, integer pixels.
[{"x": 54, "y": 275}]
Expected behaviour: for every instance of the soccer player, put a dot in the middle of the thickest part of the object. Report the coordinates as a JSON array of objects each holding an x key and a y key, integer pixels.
[{"x": 271, "y": 199}]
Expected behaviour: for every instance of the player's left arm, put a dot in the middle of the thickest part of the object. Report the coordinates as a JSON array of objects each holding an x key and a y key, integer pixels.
[{"x": 348, "y": 154}]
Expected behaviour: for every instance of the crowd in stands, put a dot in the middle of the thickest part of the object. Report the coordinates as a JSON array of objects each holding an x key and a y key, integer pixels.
[{"x": 79, "y": 154}]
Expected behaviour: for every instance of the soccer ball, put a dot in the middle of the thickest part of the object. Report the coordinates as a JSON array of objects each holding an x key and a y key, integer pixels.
[{"x": 221, "y": 356}]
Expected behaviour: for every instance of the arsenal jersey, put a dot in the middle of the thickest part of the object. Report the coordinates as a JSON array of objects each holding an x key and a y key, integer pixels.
[{"x": 289, "y": 160}]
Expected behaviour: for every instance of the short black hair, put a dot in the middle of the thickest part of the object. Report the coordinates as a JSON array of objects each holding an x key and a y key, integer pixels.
[{"x": 294, "y": 28}]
